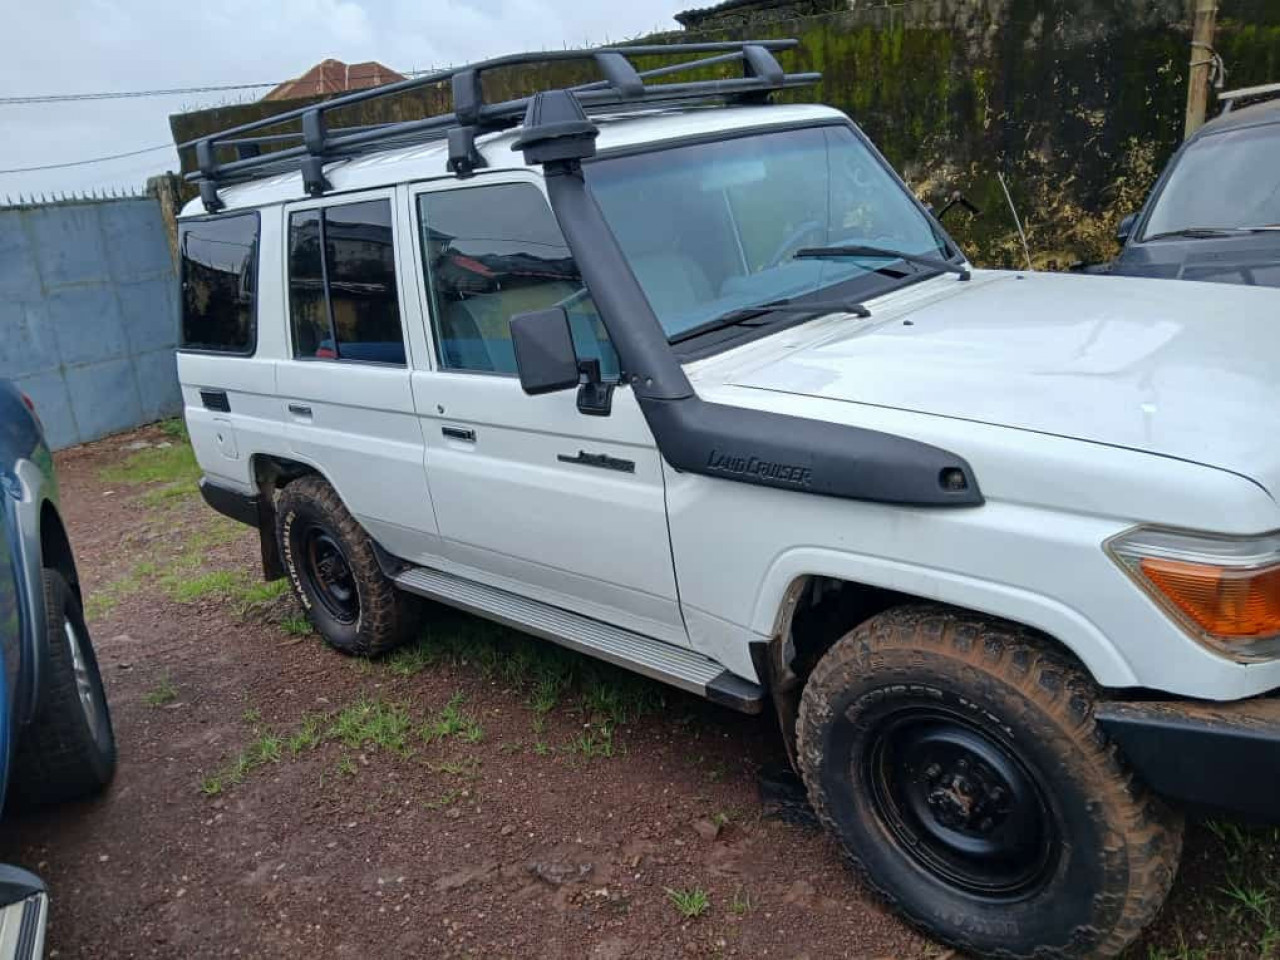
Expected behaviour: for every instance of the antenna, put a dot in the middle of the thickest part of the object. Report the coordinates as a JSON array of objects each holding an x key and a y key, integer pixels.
[{"x": 1026, "y": 250}]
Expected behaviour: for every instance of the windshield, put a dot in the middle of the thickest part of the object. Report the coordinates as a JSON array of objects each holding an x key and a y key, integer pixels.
[
  {"x": 1227, "y": 180},
  {"x": 713, "y": 227}
]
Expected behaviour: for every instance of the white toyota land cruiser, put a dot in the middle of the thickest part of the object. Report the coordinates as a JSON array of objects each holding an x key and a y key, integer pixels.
[{"x": 705, "y": 392}]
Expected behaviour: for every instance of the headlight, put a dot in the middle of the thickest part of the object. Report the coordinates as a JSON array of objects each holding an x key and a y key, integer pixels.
[{"x": 1225, "y": 591}]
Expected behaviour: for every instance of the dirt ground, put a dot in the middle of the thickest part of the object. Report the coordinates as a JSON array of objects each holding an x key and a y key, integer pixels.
[{"x": 478, "y": 795}]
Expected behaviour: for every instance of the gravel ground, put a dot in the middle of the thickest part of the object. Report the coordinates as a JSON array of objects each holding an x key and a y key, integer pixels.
[{"x": 479, "y": 795}]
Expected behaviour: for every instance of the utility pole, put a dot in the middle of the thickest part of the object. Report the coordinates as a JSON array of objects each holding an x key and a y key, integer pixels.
[{"x": 1202, "y": 54}]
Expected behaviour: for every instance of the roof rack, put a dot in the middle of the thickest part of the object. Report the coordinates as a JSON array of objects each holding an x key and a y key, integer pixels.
[
  {"x": 1228, "y": 98},
  {"x": 622, "y": 86}
]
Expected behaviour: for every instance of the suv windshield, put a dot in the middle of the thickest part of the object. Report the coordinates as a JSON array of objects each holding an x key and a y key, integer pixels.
[
  {"x": 713, "y": 227},
  {"x": 1226, "y": 181}
]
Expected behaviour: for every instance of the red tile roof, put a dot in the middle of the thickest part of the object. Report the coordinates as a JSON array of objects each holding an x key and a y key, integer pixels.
[{"x": 334, "y": 76}]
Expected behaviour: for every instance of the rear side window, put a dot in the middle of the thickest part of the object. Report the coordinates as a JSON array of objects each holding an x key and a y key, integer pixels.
[
  {"x": 219, "y": 283},
  {"x": 343, "y": 303}
]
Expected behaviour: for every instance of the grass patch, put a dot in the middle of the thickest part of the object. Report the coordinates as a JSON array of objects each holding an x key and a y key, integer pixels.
[
  {"x": 159, "y": 497},
  {"x": 468, "y": 768},
  {"x": 596, "y": 742},
  {"x": 172, "y": 464},
  {"x": 377, "y": 722},
  {"x": 445, "y": 799},
  {"x": 175, "y": 429},
  {"x": 107, "y": 597},
  {"x": 308, "y": 736},
  {"x": 740, "y": 905},
  {"x": 267, "y": 748},
  {"x": 164, "y": 692},
  {"x": 411, "y": 660},
  {"x": 452, "y": 721},
  {"x": 217, "y": 583},
  {"x": 296, "y": 625},
  {"x": 690, "y": 903},
  {"x": 548, "y": 676}
]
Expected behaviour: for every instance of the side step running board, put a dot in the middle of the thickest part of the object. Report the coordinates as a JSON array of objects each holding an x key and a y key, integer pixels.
[{"x": 677, "y": 666}]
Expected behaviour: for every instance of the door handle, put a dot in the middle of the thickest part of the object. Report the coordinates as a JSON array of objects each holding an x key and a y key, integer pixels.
[
  {"x": 601, "y": 460},
  {"x": 300, "y": 409},
  {"x": 459, "y": 433}
]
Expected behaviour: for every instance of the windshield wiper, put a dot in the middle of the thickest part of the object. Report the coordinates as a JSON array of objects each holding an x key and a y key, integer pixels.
[
  {"x": 933, "y": 263},
  {"x": 742, "y": 314},
  {"x": 1206, "y": 233}
]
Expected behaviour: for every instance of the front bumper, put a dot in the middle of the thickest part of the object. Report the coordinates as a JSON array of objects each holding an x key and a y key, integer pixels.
[{"x": 1217, "y": 756}]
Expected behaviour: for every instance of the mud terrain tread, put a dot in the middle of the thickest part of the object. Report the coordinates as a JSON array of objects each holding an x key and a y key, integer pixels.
[
  {"x": 385, "y": 612},
  {"x": 57, "y": 758},
  {"x": 1015, "y": 655}
]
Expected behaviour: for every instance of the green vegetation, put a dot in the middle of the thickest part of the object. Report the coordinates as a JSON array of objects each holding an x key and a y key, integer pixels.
[
  {"x": 369, "y": 724},
  {"x": 689, "y": 903},
  {"x": 172, "y": 464},
  {"x": 217, "y": 583},
  {"x": 411, "y": 660},
  {"x": 164, "y": 692},
  {"x": 444, "y": 800},
  {"x": 175, "y": 429},
  {"x": 267, "y": 748},
  {"x": 374, "y": 722},
  {"x": 452, "y": 721},
  {"x": 605, "y": 698},
  {"x": 296, "y": 625},
  {"x": 595, "y": 741},
  {"x": 740, "y": 906}
]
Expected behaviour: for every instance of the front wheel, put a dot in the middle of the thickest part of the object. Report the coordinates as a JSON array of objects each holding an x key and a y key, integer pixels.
[
  {"x": 68, "y": 751},
  {"x": 957, "y": 761}
]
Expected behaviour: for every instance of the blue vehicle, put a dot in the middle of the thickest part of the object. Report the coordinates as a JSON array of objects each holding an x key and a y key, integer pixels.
[{"x": 56, "y": 741}]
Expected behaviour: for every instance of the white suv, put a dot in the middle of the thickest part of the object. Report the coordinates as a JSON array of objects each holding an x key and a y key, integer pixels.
[{"x": 707, "y": 393}]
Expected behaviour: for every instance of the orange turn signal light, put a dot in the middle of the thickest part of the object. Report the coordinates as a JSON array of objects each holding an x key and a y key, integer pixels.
[{"x": 1226, "y": 602}]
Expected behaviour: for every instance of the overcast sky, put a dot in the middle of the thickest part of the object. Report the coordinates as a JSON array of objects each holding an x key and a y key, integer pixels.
[{"x": 86, "y": 46}]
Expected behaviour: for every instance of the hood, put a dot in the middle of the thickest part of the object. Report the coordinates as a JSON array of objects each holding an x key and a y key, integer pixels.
[
  {"x": 1185, "y": 370},
  {"x": 1250, "y": 258}
]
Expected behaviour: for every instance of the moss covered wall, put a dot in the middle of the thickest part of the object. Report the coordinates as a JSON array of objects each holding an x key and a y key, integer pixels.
[{"x": 1077, "y": 102}]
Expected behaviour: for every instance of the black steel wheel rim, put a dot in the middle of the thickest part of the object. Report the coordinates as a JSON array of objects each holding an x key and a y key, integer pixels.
[
  {"x": 961, "y": 803},
  {"x": 328, "y": 575}
]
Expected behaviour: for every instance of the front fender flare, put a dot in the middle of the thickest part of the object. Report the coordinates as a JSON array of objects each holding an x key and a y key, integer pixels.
[{"x": 1101, "y": 657}]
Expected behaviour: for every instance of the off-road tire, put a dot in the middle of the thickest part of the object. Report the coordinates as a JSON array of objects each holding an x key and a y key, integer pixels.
[
  {"x": 385, "y": 614},
  {"x": 59, "y": 757},
  {"x": 1120, "y": 844}
]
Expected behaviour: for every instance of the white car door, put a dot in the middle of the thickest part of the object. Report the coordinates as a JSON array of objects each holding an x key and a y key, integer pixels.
[
  {"x": 531, "y": 494},
  {"x": 345, "y": 380}
]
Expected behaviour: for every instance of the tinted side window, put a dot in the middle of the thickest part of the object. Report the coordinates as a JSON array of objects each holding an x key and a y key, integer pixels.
[
  {"x": 492, "y": 252},
  {"x": 219, "y": 281},
  {"x": 308, "y": 309},
  {"x": 342, "y": 284}
]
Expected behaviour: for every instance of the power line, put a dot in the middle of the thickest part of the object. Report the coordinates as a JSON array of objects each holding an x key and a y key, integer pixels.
[
  {"x": 81, "y": 163},
  {"x": 129, "y": 94}
]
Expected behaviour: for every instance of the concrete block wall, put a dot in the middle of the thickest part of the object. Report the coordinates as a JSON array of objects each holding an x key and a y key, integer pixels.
[{"x": 88, "y": 314}]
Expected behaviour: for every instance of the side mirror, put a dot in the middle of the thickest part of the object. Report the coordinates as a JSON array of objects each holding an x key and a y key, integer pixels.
[
  {"x": 956, "y": 199},
  {"x": 1126, "y": 228},
  {"x": 545, "y": 356}
]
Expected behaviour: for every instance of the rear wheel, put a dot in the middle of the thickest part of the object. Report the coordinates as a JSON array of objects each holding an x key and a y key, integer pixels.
[
  {"x": 68, "y": 750},
  {"x": 334, "y": 571},
  {"x": 957, "y": 760}
]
